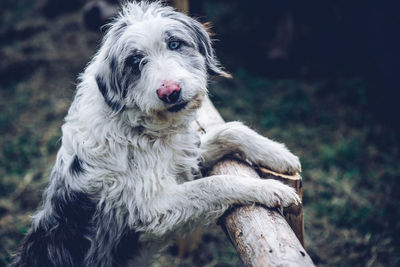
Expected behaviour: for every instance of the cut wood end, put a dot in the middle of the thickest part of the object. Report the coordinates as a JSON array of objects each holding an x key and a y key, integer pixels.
[{"x": 265, "y": 172}]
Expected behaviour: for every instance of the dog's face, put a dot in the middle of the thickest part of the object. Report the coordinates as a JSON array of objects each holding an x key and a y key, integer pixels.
[{"x": 155, "y": 60}]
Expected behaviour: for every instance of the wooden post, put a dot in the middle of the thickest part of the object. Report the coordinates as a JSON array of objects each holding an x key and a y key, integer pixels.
[
  {"x": 181, "y": 5},
  {"x": 294, "y": 215},
  {"x": 261, "y": 236}
]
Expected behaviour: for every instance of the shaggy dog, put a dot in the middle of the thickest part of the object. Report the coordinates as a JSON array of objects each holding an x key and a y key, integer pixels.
[{"x": 127, "y": 175}]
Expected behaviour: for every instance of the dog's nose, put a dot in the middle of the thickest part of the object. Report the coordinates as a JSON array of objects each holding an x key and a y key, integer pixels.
[{"x": 169, "y": 92}]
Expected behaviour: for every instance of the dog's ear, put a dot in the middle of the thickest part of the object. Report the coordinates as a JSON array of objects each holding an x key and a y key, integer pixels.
[
  {"x": 109, "y": 76},
  {"x": 108, "y": 79},
  {"x": 203, "y": 38}
]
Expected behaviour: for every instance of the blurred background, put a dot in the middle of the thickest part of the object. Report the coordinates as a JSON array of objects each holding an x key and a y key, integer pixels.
[{"x": 320, "y": 76}]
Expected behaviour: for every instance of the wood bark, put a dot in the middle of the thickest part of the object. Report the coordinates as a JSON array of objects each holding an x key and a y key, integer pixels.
[{"x": 261, "y": 236}]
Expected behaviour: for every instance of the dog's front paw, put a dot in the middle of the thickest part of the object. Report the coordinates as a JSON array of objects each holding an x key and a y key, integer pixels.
[
  {"x": 257, "y": 149},
  {"x": 276, "y": 194},
  {"x": 284, "y": 162},
  {"x": 276, "y": 157}
]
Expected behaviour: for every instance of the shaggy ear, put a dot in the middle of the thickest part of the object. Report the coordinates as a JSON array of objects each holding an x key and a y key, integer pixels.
[
  {"x": 202, "y": 34},
  {"x": 108, "y": 79},
  {"x": 109, "y": 76}
]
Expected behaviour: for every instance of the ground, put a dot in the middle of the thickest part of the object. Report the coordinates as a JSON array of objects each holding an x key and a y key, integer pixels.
[{"x": 350, "y": 160}]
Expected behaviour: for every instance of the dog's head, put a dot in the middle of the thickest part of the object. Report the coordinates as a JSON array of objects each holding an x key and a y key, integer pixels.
[{"x": 155, "y": 60}]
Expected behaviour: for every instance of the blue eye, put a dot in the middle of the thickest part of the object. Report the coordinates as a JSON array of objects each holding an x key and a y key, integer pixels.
[
  {"x": 136, "y": 60},
  {"x": 174, "y": 45}
]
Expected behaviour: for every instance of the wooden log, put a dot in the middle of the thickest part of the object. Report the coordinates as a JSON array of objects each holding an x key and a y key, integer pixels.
[
  {"x": 293, "y": 215},
  {"x": 261, "y": 236},
  {"x": 181, "y": 5}
]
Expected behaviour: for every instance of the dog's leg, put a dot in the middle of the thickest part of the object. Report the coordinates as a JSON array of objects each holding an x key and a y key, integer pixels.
[
  {"x": 204, "y": 200},
  {"x": 234, "y": 137}
]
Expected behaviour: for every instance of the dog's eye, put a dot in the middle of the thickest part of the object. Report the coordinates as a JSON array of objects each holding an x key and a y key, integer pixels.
[
  {"x": 135, "y": 60},
  {"x": 174, "y": 45}
]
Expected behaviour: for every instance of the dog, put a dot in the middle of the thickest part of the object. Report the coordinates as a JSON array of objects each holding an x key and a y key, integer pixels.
[{"x": 128, "y": 174}]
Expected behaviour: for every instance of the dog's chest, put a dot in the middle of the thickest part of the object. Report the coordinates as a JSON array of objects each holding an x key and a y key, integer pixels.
[{"x": 173, "y": 157}]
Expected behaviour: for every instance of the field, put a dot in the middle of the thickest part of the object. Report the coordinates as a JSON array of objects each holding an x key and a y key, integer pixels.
[{"x": 350, "y": 158}]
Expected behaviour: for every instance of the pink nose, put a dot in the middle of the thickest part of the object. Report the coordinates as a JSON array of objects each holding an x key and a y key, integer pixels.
[{"x": 169, "y": 92}]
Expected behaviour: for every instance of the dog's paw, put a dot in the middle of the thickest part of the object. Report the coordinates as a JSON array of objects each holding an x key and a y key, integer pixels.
[
  {"x": 276, "y": 194},
  {"x": 284, "y": 162},
  {"x": 256, "y": 149},
  {"x": 276, "y": 157}
]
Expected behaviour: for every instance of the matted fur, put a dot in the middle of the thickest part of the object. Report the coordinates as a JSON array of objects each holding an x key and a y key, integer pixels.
[{"x": 124, "y": 178}]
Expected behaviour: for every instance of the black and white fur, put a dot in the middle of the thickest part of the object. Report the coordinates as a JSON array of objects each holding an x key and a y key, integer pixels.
[{"x": 124, "y": 178}]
